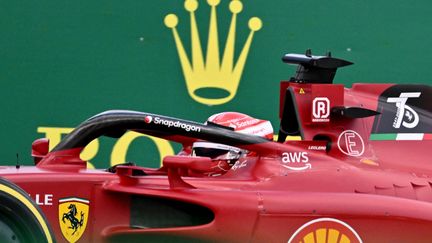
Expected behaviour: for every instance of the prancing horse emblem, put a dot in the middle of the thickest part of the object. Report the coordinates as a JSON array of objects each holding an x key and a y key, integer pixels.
[{"x": 73, "y": 217}]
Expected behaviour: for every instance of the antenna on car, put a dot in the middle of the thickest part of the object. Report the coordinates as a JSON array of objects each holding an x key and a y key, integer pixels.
[
  {"x": 314, "y": 69},
  {"x": 17, "y": 161}
]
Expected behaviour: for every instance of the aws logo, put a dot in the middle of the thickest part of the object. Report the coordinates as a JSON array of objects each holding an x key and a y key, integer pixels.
[
  {"x": 296, "y": 160},
  {"x": 209, "y": 76}
]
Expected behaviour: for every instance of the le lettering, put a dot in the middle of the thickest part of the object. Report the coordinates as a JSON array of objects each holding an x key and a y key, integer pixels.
[{"x": 43, "y": 199}]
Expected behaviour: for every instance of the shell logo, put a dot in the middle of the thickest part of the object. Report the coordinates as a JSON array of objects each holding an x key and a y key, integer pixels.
[{"x": 325, "y": 230}]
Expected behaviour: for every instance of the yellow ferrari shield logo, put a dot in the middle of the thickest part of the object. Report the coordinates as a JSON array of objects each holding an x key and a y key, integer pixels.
[{"x": 73, "y": 217}]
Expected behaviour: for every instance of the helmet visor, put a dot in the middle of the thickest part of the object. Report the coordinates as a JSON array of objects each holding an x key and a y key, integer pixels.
[
  {"x": 209, "y": 152},
  {"x": 216, "y": 151}
]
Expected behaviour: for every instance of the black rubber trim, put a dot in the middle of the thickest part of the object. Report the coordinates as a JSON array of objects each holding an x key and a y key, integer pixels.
[{"x": 112, "y": 121}]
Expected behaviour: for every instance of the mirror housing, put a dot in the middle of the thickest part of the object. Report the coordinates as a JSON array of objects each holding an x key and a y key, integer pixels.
[
  {"x": 179, "y": 166},
  {"x": 196, "y": 163},
  {"x": 40, "y": 148}
]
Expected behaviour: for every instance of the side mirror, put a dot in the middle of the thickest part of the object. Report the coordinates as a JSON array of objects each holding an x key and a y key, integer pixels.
[
  {"x": 180, "y": 165},
  {"x": 40, "y": 148},
  {"x": 200, "y": 164}
]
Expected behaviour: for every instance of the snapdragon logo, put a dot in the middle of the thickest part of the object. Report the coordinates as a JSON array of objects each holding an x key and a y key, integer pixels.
[{"x": 176, "y": 124}]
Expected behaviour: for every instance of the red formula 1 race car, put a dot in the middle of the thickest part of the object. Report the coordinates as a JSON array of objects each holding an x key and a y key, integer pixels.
[{"x": 360, "y": 173}]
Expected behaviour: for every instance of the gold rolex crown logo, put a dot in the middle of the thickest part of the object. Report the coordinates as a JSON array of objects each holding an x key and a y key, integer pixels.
[{"x": 212, "y": 74}]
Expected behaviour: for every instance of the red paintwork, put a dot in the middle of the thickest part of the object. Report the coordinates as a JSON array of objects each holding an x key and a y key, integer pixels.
[
  {"x": 388, "y": 200},
  {"x": 40, "y": 148}
]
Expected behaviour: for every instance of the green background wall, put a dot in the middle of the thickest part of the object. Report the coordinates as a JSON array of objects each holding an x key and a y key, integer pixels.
[{"x": 64, "y": 61}]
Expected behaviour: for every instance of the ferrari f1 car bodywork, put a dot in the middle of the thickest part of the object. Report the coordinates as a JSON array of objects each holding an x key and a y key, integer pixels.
[{"x": 361, "y": 173}]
